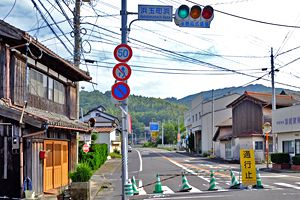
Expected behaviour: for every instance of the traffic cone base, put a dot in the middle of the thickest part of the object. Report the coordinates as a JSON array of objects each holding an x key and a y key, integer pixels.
[
  {"x": 158, "y": 186},
  {"x": 234, "y": 184},
  {"x": 212, "y": 182},
  {"x": 134, "y": 187},
  {"x": 185, "y": 187},
  {"x": 258, "y": 181}
]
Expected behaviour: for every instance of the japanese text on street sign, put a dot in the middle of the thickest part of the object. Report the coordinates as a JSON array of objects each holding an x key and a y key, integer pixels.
[
  {"x": 155, "y": 12},
  {"x": 194, "y": 24},
  {"x": 247, "y": 162}
]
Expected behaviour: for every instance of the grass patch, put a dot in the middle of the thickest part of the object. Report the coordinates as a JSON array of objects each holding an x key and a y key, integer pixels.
[{"x": 114, "y": 155}]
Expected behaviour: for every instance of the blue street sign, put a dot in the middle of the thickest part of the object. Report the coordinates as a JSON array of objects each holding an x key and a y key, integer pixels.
[
  {"x": 155, "y": 13},
  {"x": 120, "y": 91},
  {"x": 154, "y": 126}
]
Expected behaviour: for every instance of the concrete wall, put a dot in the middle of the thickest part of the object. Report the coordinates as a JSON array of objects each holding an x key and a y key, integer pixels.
[{"x": 247, "y": 143}]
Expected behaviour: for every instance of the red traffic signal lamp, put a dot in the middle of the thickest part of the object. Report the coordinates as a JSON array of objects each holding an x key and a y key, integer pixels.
[{"x": 194, "y": 16}]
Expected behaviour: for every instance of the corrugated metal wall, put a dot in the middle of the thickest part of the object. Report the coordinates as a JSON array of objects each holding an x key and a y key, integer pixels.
[{"x": 37, "y": 167}]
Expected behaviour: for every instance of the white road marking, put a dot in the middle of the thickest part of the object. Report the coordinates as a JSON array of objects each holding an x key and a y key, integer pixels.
[
  {"x": 288, "y": 185},
  {"x": 194, "y": 189},
  {"x": 167, "y": 190},
  {"x": 191, "y": 197},
  {"x": 141, "y": 161},
  {"x": 272, "y": 187}
]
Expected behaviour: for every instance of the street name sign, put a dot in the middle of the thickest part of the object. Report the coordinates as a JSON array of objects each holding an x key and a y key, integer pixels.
[
  {"x": 155, "y": 12},
  {"x": 121, "y": 71},
  {"x": 247, "y": 162},
  {"x": 120, "y": 91},
  {"x": 123, "y": 53}
]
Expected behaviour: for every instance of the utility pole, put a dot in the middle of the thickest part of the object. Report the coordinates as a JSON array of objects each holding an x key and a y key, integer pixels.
[
  {"x": 213, "y": 120},
  {"x": 162, "y": 133},
  {"x": 124, "y": 105},
  {"x": 77, "y": 38},
  {"x": 273, "y": 96},
  {"x": 76, "y": 58}
]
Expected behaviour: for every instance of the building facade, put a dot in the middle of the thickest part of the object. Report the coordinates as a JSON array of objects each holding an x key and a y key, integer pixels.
[
  {"x": 38, "y": 111},
  {"x": 204, "y": 115}
]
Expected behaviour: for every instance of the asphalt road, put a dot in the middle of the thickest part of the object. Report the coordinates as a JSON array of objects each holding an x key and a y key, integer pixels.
[{"x": 145, "y": 164}]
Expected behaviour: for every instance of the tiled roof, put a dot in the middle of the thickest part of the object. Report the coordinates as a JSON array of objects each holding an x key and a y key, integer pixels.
[
  {"x": 38, "y": 116},
  {"x": 266, "y": 99},
  {"x": 281, "y": 100},
  {"x": 104, "y": 129}
]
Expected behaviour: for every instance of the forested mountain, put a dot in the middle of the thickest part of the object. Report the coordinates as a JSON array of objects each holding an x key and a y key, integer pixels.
[
  {"x": 146, "y": 109},
  {"x": 142, "y": 109}
]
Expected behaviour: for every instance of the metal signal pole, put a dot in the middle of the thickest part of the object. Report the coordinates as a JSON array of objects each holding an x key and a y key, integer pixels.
[{"x": 124, "y": 105}]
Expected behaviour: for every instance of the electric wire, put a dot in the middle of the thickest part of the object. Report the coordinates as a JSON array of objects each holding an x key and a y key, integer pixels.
[
  {"x": 10, "y": 10},
  {"x": 35, "y": 5}
]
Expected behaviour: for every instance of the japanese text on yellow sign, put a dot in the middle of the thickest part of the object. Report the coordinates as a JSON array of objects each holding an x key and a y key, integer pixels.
[{"x": 247, "y": 162}]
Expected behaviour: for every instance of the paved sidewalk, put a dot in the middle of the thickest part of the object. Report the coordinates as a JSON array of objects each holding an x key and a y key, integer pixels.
[{"x": 106, "y": 181}]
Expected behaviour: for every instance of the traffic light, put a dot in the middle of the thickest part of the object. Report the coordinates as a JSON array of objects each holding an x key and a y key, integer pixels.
[{"x": 194, "y": 16}]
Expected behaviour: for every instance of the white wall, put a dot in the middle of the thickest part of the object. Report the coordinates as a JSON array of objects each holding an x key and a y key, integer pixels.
[
  {"x": 104, "y": 138},
  {"x": 247, "y": 143},
  {"x": 286, "y": 137}
]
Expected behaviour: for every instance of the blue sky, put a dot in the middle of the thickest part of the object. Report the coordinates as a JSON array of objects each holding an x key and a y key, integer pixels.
[{"x": 168, "y": 61}]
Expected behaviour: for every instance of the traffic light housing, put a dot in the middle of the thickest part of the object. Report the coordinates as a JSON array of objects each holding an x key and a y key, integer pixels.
[{"x": 194, "y": 16}]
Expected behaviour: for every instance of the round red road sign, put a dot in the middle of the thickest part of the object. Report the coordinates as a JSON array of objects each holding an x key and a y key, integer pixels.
[
  {"x": 121, "y": 71},
  {"x": 85, "y": 148},
  {"x": 123, "y": 53},
  {"x": 120, "y": 91}
]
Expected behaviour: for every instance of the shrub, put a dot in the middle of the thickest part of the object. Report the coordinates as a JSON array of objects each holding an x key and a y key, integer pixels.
[
  {"x": 83, "y": 173},
  {"x": 280, "y": 158},
  {"x": 115, "y": 155},
  {"x": 96, "y": 157},
  {"x": 296, "y": 160},
  {"x": 149, "y": 144}
]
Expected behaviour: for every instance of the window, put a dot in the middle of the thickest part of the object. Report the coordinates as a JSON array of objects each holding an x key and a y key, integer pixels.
[
  {"x": 38, "y": 83},
  {"x": 288, "y": 146},
  {"x": 193, "y": 118},
  {"x": 50, "y": 89},
  {"x": 297, "y": 147},
  {"x": 43, "y": 86},
  {"x": 59, "y": 92},
  {"x": 259, "y": 145},
  {"x": 196, "y": 117}
]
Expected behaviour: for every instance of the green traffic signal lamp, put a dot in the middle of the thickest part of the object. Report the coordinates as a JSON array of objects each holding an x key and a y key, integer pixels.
[{"x": 183, "y": 11}]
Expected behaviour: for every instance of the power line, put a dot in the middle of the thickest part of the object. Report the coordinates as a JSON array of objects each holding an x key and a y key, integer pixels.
[
  {"x": 249, "y": 19},
  {"x": 35, "y": 5},
  {"x": 10, "y": 10}
]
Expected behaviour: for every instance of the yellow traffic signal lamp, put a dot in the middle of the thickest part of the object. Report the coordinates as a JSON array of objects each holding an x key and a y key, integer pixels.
[
  {"x": 195, "y": 12},
  {"x": 194, "y": 16}
]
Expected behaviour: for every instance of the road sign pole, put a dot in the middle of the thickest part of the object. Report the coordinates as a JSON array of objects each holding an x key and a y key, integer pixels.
[{"x": 124, "y": 105}]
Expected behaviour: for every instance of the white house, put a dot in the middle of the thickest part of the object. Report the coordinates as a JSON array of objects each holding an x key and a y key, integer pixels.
[
  {"x": 286, "y": 125},
  {"x": 106, "y": 126}
]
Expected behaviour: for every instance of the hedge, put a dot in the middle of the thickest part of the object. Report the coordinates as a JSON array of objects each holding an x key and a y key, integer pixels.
[
  {"x": 95, "y": 157},
  {"x": 296, "y": 160},
  {"x": 280, "y": 158},
  {"x": 83, "y": 173}
]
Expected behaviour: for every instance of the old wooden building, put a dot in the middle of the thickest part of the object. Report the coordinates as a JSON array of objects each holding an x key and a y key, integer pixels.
[
  {"x": 38, "y": 114},
  {"x": 249, "y": 112}
]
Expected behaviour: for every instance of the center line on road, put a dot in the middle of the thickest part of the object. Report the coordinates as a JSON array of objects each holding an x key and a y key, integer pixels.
[{"x": 141, "y": 162}]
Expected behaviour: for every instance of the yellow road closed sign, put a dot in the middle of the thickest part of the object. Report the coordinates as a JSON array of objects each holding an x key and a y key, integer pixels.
[{"x": 247, "y": 162}]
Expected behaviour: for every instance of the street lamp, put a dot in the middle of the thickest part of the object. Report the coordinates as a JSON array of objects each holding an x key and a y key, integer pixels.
[{"x": 266, "y": 130}]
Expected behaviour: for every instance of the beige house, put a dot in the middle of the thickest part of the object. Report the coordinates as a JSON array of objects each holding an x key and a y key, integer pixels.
[{"x": 202, "y": 118}]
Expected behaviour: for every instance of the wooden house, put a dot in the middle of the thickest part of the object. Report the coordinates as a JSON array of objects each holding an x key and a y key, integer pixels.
[
  {"x": 38, "y": 115},
  {"x": 249, "y": 112}
]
